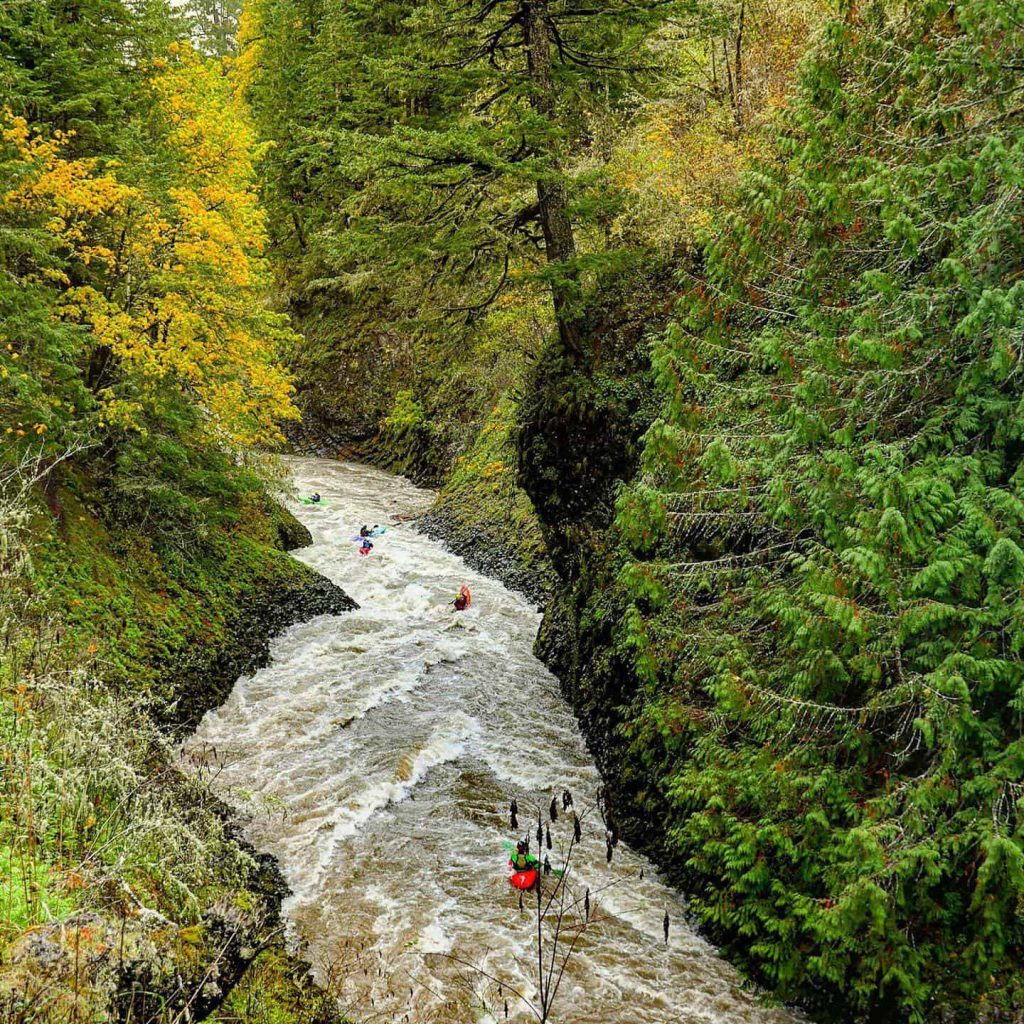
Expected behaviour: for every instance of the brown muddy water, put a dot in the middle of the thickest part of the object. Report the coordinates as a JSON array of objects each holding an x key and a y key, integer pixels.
[{"x": 376, "y": 757}]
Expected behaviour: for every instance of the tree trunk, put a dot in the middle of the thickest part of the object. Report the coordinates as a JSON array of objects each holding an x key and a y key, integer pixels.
[
  {"x": 559, "y": 242},
  {"x": 99, "y": 363},
  {"x": 738, "y": 104}
]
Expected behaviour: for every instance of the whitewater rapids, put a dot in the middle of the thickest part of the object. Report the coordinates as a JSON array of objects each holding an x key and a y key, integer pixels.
[{"x": 375, "y": 758}]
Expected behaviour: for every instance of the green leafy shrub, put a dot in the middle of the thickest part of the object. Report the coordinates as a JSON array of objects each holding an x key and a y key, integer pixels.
[{"x": 406, "y": 414}]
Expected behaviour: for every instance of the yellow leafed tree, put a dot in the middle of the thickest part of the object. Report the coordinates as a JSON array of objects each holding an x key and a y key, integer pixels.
[
  {"x": 690, "y": 146},
  {"x": 165, "y": 267}
]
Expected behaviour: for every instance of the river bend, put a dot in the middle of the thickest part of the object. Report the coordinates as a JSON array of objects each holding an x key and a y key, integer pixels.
[{"x": 375, "y": 758}]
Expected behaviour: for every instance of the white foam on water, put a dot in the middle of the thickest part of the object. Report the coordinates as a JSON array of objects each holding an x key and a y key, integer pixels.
[
  {"x": 376, "y": 755},
  {"x": 445, "y": 745}
]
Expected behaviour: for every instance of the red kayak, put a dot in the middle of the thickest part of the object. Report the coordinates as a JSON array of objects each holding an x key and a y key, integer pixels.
[{"x": 524, "y": 880}]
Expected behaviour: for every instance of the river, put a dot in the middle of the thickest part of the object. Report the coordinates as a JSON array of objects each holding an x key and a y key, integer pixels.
[{"x": 376, "y": 757}]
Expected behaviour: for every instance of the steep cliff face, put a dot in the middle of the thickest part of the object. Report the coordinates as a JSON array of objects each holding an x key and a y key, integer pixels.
[
  {"x": 580, "y": 434},
  {"x": 580, "y": 421}
]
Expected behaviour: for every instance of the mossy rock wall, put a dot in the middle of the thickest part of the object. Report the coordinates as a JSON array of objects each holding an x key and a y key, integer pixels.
[
  {"x": 181, "y": 624},
  {"x": 484, "y": 515}
]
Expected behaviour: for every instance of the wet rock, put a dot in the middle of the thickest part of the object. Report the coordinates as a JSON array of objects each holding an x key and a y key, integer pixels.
[
  {"x": 291, "y": 533},
  {"x": 487, "y": 552},
  {"x": 314, "y": 436}
]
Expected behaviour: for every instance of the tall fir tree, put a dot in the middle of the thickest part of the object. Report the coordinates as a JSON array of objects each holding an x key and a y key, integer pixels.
[{"x": 427, "y": 154}]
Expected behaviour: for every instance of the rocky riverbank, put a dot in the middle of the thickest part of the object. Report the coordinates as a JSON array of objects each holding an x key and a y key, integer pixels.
[
  {"x": 484, "y": 546},
  {"x": 207, "y": 678},
  {"x": 136, "y": 896}
]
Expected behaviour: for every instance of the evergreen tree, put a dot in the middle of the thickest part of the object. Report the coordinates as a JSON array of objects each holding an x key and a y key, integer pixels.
[
  {"x": 825, "y": 569},
  {"x": 213, "y": 25},
  {"x": 424, "y": 149},
  {"x": 78, "y": 65}
]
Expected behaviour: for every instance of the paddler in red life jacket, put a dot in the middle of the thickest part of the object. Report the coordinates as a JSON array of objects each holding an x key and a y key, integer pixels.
[
  {"x": 462, "y": 600},
  {"x": 522, "y": 859}
]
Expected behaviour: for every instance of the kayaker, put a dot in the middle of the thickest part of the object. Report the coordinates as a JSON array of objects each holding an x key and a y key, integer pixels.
[
  {"x": 315, "y": 498},
  {"x": 366, "y": 547},
  {"x": 462, "y": 599},
  {"x": 522, "y": 859}
]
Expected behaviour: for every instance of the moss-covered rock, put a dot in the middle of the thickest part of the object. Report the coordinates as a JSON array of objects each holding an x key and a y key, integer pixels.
[
  {"x": 580, "y": 430},
  {"x": 580, "y": 421},
  {"x": 179, "y": 620},
  {"x": 278, "y": 988},
  {"x": 484, "y": 516},
  {"x": 291, "y": 534}
]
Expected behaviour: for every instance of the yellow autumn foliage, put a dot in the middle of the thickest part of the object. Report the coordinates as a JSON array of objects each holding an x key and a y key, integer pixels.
[
  {"x": 690, "y": 147},
  {"x": 250, "y": 49},
  {"x": 676, "y": 173},
  {"x": 173, "y": 278}
]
